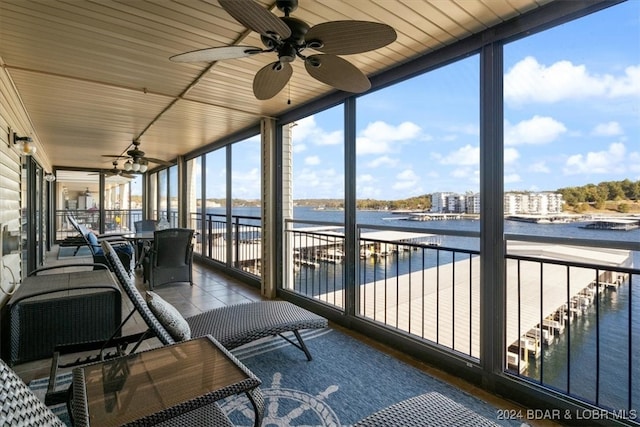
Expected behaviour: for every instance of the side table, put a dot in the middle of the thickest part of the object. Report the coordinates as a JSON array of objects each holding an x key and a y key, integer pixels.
[{"x": 157, "y": 385}]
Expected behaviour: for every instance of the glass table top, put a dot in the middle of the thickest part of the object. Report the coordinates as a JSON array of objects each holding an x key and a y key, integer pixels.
[{"x": 131, "y": 387}]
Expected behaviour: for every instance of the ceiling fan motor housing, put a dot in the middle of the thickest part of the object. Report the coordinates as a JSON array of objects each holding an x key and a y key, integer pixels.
[{"x": 289, "y": 48}]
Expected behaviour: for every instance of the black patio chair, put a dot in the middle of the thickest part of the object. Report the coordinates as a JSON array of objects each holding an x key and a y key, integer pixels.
[
  {"x": 170, "y": 258},
  {"x": 232, "y": 325},
  {"x": 19, "y": 405}
]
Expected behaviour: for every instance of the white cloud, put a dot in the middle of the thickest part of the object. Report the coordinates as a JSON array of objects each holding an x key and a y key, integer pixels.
[
  {"x": 607, "y": 129},
  {"x": 407, "y": 179},
  {"x": 466, "y": 155},
  {"x": 404, "y": 185},
  {"x": 462, "y": 173},
  {"x": 379, "y": 137},
  {"x": 332, "y": 138},
  {"x": 510, "y": 155},
  {"x": 246, "y": 184},
  {"x": 537, "y": 130},
  {"x": 529, "y": 81},
  {"x": 299, "y": 148},
  {"x": 365, "y": 178},
  {"x": 322, "y": 183},
  {"x": 312, "y": 160},
  {"x": 407, "y": 174},
  {"x": 511, "y": 178},
  {"x": 382, "y": 161},
  {"x": 597, "y": 161},
  {"x": 307, "y": 130},
  {"x": 539, "y": 167}
]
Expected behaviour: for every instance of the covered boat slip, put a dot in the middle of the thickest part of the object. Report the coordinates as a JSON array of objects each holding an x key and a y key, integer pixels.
[
  {"x": 313, "y": 243},
  {"x": 442, "y": 304}
]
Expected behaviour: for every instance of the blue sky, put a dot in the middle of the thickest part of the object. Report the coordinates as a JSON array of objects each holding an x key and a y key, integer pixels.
[{"x": 572, "y": 117}]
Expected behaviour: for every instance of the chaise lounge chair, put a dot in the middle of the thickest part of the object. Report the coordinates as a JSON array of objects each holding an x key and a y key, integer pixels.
[
  {"x": 92, "y": 241},
  {"x": 232, "y": 325}
]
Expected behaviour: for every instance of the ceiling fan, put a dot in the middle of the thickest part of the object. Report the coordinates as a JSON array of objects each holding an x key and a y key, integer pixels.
[
  {"x": 115, "y": 171},
  {"x": 137, "y": 161},
  {"x": 289, "y": 37}
]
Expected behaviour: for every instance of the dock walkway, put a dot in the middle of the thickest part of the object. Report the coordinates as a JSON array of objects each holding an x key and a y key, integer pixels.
[{"x": 442, "y": 304}]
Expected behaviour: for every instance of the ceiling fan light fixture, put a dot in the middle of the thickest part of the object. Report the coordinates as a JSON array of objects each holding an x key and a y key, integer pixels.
[
  {"x": 135, "y": 166},
  {"x": 128, "y": 165},
  {"x": 315, "y": 44},
  {"x": 313, "y": 62},
  {"x": 143, "y": 167}
]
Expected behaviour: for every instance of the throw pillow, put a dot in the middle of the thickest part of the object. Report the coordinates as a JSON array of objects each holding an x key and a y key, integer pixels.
[
  {"x": 169, "y": 317},
  {"x": 93, "y": 241}
]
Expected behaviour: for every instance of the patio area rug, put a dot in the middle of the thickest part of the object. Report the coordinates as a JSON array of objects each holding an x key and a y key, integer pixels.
[{"x": 346, "y": 381}]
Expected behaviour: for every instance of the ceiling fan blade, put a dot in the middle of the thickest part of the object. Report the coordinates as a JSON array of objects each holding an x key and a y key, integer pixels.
[
  {"x": 348, "y": 37},
  {"x": 337, "y": 72},
  {"x": 113, "y": 156},
  {"x": 253, "y": 16},
  {"x": 271, "y": 79},
  {"x": 216, "y": 54},
  {"x": 158, "y": 161}
]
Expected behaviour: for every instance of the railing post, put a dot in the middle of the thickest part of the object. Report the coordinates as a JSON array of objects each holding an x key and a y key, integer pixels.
[
  {"x": 350, "y": 232},
  {"x": 492, "y": 243}
]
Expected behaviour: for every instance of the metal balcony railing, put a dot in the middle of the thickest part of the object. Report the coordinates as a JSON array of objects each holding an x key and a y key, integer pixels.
[
  {"x": 570, "y": 321},
  {"x": 239, "y": 243}
]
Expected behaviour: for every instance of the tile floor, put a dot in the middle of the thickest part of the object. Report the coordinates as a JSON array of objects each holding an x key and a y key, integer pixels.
[{"x": 213, "y": 289}]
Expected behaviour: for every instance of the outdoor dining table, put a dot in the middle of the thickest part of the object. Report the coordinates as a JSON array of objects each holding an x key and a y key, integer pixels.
[{"x": 136, "y": 238}]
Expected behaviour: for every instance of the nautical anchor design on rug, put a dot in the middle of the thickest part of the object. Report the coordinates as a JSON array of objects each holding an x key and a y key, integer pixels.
[{"x": 283, "y": 406}]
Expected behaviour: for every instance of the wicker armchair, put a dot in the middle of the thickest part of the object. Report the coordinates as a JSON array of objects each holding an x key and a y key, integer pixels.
[
  {"x": 170, "y": 258},
  {"x": 19, "y": 406},
  {"x": 429, "y": 409}
]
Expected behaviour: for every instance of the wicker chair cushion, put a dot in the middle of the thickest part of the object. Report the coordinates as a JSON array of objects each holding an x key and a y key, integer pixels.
[
  {"x": 169, "y": 317},
  {"x": 19, "y": 406}
]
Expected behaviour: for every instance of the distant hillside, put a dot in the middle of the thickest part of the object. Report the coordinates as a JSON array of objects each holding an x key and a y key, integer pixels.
[{"x": 605, "y": 197}]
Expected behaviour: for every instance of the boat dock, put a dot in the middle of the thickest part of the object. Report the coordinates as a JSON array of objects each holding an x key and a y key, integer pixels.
[
  {"x": 442, "y": 304},
  {"x": 622, "y": 224},
  {"x": 328, "y": 244}
]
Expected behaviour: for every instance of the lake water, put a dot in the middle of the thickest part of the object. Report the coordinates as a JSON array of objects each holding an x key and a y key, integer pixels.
[{"x": 552, "y": 368}]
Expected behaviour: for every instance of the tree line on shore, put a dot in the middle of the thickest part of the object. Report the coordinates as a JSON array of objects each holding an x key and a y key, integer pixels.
[{"x": 623, "y": 196}]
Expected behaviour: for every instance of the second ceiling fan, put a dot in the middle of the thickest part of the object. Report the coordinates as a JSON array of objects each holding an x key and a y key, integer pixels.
[
  {"x": 137, "y": 161},
  {"x": 289, "y": 37}
]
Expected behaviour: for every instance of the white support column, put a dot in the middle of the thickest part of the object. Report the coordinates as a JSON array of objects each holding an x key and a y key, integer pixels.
[
  {"x": 287, "y": 204},
  {"x": 269, "y": 194}
]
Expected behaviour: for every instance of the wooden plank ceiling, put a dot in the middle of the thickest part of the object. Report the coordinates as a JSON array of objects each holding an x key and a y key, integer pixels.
[{"x": 95, "y": 74}]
